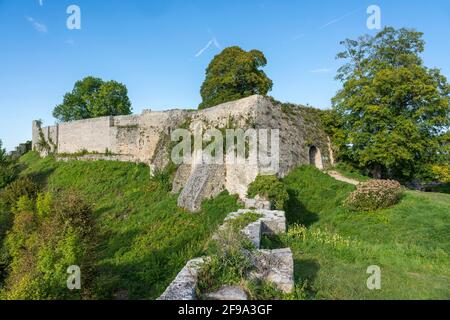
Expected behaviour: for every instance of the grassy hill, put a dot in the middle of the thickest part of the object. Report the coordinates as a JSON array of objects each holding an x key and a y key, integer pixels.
[
  {"x": 410, "y": 242},
  {"x": 145, "y": 239}
]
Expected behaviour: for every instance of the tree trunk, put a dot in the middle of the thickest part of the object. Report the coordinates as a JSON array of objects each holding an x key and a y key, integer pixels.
[{"x": 376, "y": 171}]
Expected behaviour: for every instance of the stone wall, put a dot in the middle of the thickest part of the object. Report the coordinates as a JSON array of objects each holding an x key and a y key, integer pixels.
[
  {"x": 93, "y": 135},
  {"x": 146, "y": 138},
  {"x": 300, "y": 132},
  {"x": 135, "y": 136}
]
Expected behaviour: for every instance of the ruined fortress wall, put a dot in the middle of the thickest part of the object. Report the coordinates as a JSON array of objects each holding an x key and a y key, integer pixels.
[
  {"x": 146, "y": 138},
  {"x": 236, "y": 113},
  {"x": 135, "y": 136},
  {"x": 124, "y": 135},
  {"x": 93, "y": 135},
  {"x": 140, "y": 137}
]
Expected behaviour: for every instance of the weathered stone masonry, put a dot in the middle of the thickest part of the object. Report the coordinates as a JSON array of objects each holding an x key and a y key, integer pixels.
[{"x": 145, "y": 138}]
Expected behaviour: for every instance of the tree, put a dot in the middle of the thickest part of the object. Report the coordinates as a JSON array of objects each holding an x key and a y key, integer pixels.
[
  {"x": 8, "y": 168},
  {"x": 2, "y": 154},
  {"x": 392, "y": 110},
  {"x": 92, "y": 98},
  {"x": 234, "y": 74}
]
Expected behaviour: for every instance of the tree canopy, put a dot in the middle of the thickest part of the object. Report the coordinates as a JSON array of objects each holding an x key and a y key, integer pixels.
[
  {"x": 234, "y": 74},
  {"x": 392, "y": 113},
  {"x": 92, "y": 98},
  {"x": 2, "y": 153}
]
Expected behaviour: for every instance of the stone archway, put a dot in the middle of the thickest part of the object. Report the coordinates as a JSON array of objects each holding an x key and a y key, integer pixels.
[{"x": 315, "y": 157}]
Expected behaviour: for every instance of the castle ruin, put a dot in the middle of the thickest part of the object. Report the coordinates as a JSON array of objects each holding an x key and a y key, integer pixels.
[{"x": 146, "y": 138}]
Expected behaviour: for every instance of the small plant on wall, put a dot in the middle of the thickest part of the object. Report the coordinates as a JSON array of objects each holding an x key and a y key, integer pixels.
[{"x": 46, "y": 146}]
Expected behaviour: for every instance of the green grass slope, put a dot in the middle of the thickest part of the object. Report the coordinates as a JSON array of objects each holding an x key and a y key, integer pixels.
[
  {"x": 145, "y": 239},
  {"x": 410, "y": 242}
]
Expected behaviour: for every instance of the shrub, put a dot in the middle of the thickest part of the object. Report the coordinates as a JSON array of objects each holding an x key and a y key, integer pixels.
[
  {"x": 40, "y": 249},
  {"x": 44, "y": 204},
  {"x": 441, "y": 173},
  {"x": 229, "y": 264},
  {"x": 374, "y": 195},
  {"x": 8, "y": 173},
  {"x": 269, "y": 187},
  {"x": 72, "y": 210},
  {"x": 22, "y": 187}
]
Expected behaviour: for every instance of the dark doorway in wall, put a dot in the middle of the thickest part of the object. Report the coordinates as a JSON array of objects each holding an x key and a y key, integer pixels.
[{"x": 315, "y": 157}]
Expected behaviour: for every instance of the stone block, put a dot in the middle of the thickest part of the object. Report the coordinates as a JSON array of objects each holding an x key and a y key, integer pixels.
[
  {"x": 257, "y": 204},
  {"x": 206, "y": 181},
  {"x": 273, "y": 221},
  {"x": 253, "y": 233},
  {"x": 228, "y": 293},
  {"x": 275, "y": 266},
  {"x": 185, "y": 284}
]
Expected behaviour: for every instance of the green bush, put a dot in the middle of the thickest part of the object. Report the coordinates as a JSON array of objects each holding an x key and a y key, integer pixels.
[
  {"x": 271, "y": 188},
  {"x": 40, "y": 249},
  {"x": 24, "y": 186},
  {"x": 229, "y": 261},
  {"x": 374, "y": 195},
  {"x": 8, "y": 173}
]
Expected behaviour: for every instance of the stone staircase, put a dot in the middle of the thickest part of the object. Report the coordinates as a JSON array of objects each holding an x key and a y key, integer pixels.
[{"x": 273, "y": 266}]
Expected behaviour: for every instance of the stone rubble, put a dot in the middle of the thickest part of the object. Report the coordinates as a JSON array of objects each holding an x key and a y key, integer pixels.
[
  {"x": 273, "y": 266},
  {"x": 228, "y": 293},
  {"x": 184, "y": 285}
]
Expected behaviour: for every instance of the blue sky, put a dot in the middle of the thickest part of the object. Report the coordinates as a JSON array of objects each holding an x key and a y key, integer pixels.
[{"x": 159, "y": 48}]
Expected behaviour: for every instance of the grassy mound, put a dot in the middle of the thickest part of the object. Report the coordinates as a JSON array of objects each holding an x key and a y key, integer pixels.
[
  {"x": 145, "y": 239},
  {"x": 333, "y": 246}
]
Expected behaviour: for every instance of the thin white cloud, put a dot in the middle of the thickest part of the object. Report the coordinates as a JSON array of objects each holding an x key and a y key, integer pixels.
[
  {"x": 321, "y": 70},
  {"x": 211, "y": 42},
  {"x": 299, "y": 36},
  {"x": 41, "y": 2},
  {"x": 339, "y": 19},
  {"x": 40, "y": 27}
]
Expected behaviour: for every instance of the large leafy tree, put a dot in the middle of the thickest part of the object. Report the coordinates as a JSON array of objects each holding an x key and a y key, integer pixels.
[
  {"x": 234, "y": 74},
  {"x": 392, "y": 112},
  {"x": 92, "y": 98}
]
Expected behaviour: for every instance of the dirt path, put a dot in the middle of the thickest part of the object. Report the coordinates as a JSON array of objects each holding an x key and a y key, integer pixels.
[{"x": 336, "y": 175}]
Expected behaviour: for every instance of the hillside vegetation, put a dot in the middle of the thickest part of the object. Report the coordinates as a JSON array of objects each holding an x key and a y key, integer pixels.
[
  {"x": 333, "y": 246},
  {"x": 143, "y": 239}
]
